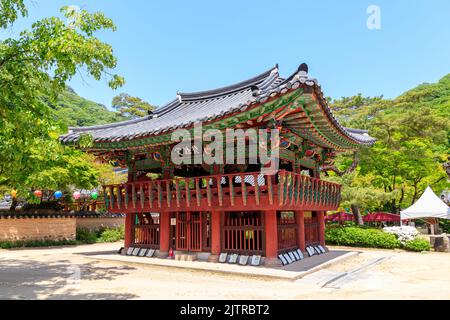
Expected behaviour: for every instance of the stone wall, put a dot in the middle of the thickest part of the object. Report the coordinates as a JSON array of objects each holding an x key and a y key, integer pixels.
[
  {"x": 36, "y": 228},
  {"x": 92, "y": 223},
  {"x": 51, "y": 227}
]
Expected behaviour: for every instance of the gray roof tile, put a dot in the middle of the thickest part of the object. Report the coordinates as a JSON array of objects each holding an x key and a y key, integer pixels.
[{"x": 189, "y": 108}]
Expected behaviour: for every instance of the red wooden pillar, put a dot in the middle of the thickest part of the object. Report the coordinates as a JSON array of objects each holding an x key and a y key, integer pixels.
[
  {"x": 216, "y": 230},
  {"x": 300, "y": 220},
  {"x": 167, "y": 173},
  {"x": 164, "y": 234},
  {"x": 270, "y": 224},
  {"x": 321, "y": 222},
  {"x": 128, "y": 229}
]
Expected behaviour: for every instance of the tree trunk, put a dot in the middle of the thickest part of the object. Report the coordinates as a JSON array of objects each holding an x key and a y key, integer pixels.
[
  {"x": 357, "y": 215},
  {"x": 415, "y": 194},
  {"x": 350, "y": 169},
  {"x": 400, "y": 201},
  {"x": 393, "y": 205},
  {"x": 13, "y": 204}
]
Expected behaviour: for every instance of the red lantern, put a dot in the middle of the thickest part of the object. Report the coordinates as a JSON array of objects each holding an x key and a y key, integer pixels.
[
  {"x": 38, "y": 193},
  {"x": 171, "y": 253},
  {"x": 309, "y": 153}
]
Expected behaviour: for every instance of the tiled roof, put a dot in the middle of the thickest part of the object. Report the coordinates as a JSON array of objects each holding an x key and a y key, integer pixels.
[{"x": 189, "y": 108}]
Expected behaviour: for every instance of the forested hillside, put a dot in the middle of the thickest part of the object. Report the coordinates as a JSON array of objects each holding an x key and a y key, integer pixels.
[
  {"x": 413, "y": 132},
  {"x": 73, "y": 110}
]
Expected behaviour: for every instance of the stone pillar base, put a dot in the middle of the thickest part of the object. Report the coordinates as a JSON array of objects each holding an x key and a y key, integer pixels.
[
  {"x": 272, "y": 262},
  {"x": 213, "y": 258},
  {"x": 440, "y": 243},
  {"x": 163, "y": 254}
]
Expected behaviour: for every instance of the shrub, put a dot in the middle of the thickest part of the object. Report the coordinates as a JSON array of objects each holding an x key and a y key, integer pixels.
[
  {"x": 417, "y": 245},
  {"x": 445, "y": 225},
  {"x": 47, "y": 205},
  {"x": 404, "y": 233},
  {"x": 361, "y": 237},
  {"x": 112, "y": 235},
  {"x": 86, "y": 236},
  {"x": 35, "y": 243}
]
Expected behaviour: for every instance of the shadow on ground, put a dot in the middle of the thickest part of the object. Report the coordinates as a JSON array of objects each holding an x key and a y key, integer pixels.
[
  {"x": 314, "y": 261},
  {"x": 62, "y": 279}
]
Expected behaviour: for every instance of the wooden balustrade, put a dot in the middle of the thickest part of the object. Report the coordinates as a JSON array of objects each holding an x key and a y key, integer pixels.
[
  {"x": 311, "y": 231},
  {"x": 287, "y": 231},
  {"x": 243, "y": 234},
  {"x": 253, "y": 191},
  {"x": 145, "y": 230}
]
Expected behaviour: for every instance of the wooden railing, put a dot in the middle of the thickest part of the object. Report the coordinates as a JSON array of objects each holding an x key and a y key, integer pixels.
[
  {"x": 243, "y": 234},
  {"x": 252, "y": 191},
  {"x": 287, "y": 232},
  {"x": 311, "y": 231},
  {"x": 146, "y": 231}
]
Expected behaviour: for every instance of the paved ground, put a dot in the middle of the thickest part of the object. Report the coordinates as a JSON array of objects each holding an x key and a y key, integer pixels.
[
  {"x": 293, "y": 271},
  {"x": 60, "y": 273}
]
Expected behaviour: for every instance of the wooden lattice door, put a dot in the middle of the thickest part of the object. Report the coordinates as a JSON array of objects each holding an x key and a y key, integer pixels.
[
  {"x": 189, "y": 231},
  {"x": 182, "y": 231}
]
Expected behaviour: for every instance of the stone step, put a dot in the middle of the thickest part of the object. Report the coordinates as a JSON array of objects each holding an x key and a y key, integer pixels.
[{"x": 186, "y": 256}]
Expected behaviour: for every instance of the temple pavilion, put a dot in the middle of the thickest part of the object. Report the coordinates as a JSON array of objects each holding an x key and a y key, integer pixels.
[{"x": 227, "y": 208}]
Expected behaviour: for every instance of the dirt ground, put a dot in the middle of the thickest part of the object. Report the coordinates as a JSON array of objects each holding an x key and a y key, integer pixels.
[{"x": 62, "y": 273}]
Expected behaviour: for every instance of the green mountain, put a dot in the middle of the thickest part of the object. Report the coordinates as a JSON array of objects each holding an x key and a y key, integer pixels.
[
  {"x": 75, "y": 111},
  {"x": 360, "y": 112},
  {"x": 413, "y": 147}
]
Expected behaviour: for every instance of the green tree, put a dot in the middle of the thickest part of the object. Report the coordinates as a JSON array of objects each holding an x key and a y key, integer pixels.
[
  {"x": 34, "y": 67},
  {"x": 413, "y": 144},
  {"x": 408, "y": 154},
  {"x": 131, "y": 107}
]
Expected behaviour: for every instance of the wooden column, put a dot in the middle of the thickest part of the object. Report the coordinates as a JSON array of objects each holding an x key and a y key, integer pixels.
[
  {"x": 300, "y": 220},
  {"x": 321, "y": 222},
  {"x": 128, "y": 229},
  {"x": 167, "y": 172},
  {"x": 164, "y": 234},
  {"x": 270, "y": 225},
  {"x": 216, "y": 231}
]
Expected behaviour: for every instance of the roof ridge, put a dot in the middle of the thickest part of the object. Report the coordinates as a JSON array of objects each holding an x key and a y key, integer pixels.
[
  {"x": 109, "y": 125},
  {"x": 354, "y": 130},
  {"x": 167, "y": 107},
  {"x": 208, "y": 94}
]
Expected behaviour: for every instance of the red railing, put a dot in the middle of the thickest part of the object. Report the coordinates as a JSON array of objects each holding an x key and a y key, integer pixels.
[
  {"x": 146, "y": 230},
  {"x": 311, "y": 231},
  {"x": 253, "y": 191},
  {"x": 287, "y": 231},
  {"x": 243, "y": 234}
]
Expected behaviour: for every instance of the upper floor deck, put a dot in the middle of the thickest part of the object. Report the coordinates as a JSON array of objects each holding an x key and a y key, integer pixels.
[{"x": 250, "y": 191}]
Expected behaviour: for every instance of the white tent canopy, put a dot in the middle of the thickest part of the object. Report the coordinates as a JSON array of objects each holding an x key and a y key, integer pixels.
[{"x": 428, "y": 206}]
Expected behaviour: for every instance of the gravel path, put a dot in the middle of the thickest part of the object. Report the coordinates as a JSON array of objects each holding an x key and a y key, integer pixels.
[{"x": 61, "y": 273}]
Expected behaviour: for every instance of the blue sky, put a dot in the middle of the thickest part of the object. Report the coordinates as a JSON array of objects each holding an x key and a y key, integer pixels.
[{"x": 169, "y": 46}]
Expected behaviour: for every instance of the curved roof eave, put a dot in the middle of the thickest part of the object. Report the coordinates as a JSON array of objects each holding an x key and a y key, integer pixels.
[{"x": 212, "y": 104}]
